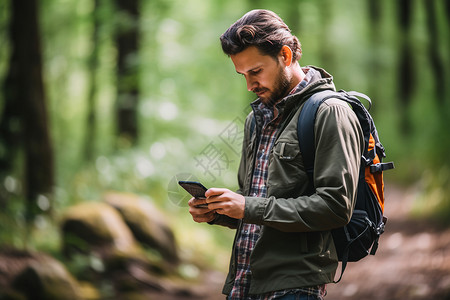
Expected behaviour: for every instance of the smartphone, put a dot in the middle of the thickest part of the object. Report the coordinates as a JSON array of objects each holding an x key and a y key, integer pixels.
[{"x": 196, "y": 189}]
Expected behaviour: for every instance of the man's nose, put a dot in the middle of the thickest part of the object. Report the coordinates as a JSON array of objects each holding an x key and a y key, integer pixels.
[{"x": 251, "y": 84}]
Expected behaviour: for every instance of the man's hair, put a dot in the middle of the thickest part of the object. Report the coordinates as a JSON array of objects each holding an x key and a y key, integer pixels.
[{"x": 263, "y": 29}]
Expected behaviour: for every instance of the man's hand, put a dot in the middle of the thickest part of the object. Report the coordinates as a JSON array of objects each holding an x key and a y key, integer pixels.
[
  {"x": 200, "y": 214},
  {"x": 225, "y": 202}
]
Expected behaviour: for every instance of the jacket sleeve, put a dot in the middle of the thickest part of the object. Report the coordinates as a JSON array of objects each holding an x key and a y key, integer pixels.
[
  {"x": 225, "y": 221},
  {"x": 222, "y": 219},
  {"x": 339, "y": 145}
]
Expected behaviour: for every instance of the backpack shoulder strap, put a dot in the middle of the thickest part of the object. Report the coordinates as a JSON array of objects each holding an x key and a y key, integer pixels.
[
  {"x": 305, "y": 129},
  {"x": 306, "y": 120},
  {"x": 306, "y": 140}
]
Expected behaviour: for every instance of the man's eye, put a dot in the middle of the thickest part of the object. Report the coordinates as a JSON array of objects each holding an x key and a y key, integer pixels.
[{"x": 256, "y": 71}]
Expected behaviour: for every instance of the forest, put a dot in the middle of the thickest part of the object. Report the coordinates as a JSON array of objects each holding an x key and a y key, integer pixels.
[{"x": 120, "y": 99}]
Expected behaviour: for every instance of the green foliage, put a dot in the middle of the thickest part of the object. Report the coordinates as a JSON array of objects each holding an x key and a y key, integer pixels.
[{"x": 192, "y": 101}]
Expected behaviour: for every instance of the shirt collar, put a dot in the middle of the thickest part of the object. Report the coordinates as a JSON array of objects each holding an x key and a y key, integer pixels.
[{"x": 309, "y": 73}]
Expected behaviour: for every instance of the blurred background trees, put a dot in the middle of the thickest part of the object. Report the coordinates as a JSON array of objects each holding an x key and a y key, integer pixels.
[
  {"x": 25, "y": 134},
  {"x": 101, "y": 95},
  {"x": 127, "y": 44}
]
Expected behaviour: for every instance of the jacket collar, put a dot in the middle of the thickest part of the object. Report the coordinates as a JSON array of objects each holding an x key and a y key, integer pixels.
[{"x": 320, "y": 80}]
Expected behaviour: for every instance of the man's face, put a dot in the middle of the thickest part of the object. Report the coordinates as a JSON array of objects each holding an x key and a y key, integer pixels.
[{"x": 265, "y": 76}]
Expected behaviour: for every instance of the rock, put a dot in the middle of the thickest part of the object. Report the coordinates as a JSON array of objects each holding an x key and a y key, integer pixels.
[
  {"x": 147, "y": 222},
  {"x": 98, "y": 233},
  {"x": 10, "y": 294},
  {"x": 89, "y": 291},
  {"x": 12, "y": 262},
  {"x": 96, "y": 227},
  {"x": 37, "y": 276},
  {"x": 48, "y": 280},
  {"x": 104, "y": 241}
]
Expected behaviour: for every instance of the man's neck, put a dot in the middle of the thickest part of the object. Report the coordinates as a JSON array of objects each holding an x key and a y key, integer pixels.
[{"x": 297, "y": 75}]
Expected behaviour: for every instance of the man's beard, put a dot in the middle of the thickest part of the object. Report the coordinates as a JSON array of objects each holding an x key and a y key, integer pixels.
[{"x": 281, "y": 89}]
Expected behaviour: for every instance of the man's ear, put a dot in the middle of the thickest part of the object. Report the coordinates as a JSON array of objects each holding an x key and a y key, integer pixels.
[{"x": 286, "y": 55}]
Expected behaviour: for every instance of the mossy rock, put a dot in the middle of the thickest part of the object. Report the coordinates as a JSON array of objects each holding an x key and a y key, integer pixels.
[
  {"x": 148, "y": 224},
  {"x": 10, "y": 294},
  {"x": 96, "y": 227},
  {"x": 46, "y": 278}
]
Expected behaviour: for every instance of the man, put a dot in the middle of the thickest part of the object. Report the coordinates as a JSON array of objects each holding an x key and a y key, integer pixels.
[{"x": 283, "y": 247}]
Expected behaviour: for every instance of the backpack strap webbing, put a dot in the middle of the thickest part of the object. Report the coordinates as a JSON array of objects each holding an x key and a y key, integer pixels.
[{"x": 305, "y": 131}]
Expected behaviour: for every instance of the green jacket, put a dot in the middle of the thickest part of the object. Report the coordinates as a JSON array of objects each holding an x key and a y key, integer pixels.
[{"x": 295, "y": 248}]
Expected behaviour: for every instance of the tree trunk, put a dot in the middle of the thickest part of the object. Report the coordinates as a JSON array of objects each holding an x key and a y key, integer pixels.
[
  {"x": 437, "y": 64},
  {"x": 91, "y": 121},
  {"x": 327, "y": 56},
  {"x": 293, "y": 18},
  {"x": 447, "y": 23},
  {"x": 25, "y": 117},
  {"x": 376, "y": 58},
  {"x": 406, "y": 69},
  {"x": 447, "y": 9},
  {"x": 127, "y": 70}
]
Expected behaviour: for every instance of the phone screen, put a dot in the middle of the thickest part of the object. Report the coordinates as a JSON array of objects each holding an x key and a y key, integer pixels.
[{"x": 196, "y": 189}]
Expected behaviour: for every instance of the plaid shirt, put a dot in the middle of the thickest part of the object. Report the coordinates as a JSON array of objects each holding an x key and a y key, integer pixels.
[{"x": 250, "y": 232}]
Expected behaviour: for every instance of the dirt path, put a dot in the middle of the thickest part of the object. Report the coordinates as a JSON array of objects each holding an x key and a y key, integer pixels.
[{"x": 412, "y": 262}]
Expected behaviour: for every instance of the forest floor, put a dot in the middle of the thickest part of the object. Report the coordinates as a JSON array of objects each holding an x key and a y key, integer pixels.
[{"x": 412, "y": 261}]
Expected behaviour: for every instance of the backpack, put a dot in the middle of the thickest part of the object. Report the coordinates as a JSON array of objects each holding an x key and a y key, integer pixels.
[{"x": 360, "y": 236}]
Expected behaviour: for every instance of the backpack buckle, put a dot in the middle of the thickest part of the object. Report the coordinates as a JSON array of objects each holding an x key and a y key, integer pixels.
[
  {"x": 380, "y": 229},
  {"x": 380, "y": 167}
]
